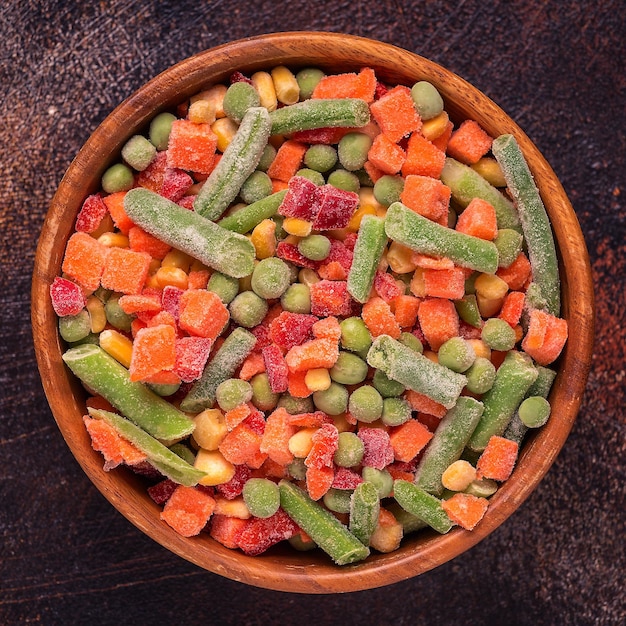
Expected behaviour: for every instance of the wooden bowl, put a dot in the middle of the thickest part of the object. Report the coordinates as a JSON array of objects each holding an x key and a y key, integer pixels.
[{"x": 285, "y": 569}]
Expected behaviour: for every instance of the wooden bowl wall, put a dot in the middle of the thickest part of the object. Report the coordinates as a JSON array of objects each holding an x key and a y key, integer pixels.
[{"x": 282, "y": 568}]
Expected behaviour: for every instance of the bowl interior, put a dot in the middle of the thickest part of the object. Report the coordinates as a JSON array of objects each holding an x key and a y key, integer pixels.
[{"x": 284, "y": 569}]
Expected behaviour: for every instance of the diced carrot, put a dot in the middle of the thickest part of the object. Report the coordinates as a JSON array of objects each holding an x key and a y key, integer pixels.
[
  {"x": 327, "y": 328},
  {"x": 188, "y": 510},
  {"x": 191, "y": 147},
  {"x": 441, "y": 142},
  {"x": 98, "y": 402},
  {"x": 479, "y": 220},
  {"x": 512, "y": 307},
  {"x": 427, "y": 196},
  {"x": 198, "y": 279},
  {"x": 430, "y": 262},
  {"x": 138, "y": 303},
  {"x": 445, "y": 283},
  {"x": 163, "y": 377},
  {"x": 386, "y": 155},
  {"x": 372, "y": 171},
  {"x": 545, "y": 337},
  {"x": 287, "y": 161},
  {"x": 516, "y": 274},
  {"x": 235, "y": 416},
  {"x": 405, "y": 310},
  {"x": 465, "y": 509},
  {"x": 423, "y": 404},
  {"x": 438, "y": 320},
  {"x": 297, "y": 386},
  {"x": 254, "y": 364},
  {"x": 309, "y": 420},
  {"x": 115, "y": 449},
  {"x": 319, "y": 480},
  {"x": 227, "y": 530},
  {"x": 154, "y": 349},
  {"x": 316, "y": 353},
  {"x": 408, "y": 439},
  {"x": 84, "y": 260},
  {"x": 397, "y": 473},
  {"x": 423, "y": 157},
  {"x": 349, "y": 85},
  {"x": 278, "y": 431},
  {"x": 469, "y": 142},
  {"x": 379, "y": 319},
  {"x": 278, "y": 185},
  {"x": 241, "y": 445},
  {"x": 125, "y": 271},
  {"x": 332, "y": 271},
  {"x": 115, "y": 204},
  {"x": 498, "y": 459},
  {"x": 141, "y": 241},
  {"x": 324, "y": 445},
  {"x": 202, "y": 313},
  {"x": 270, "y": 469},
  {"x": 395, "y": 113}
]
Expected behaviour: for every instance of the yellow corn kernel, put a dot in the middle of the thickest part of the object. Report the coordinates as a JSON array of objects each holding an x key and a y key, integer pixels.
[
  {"x": 224, "y": 129},
  {"x": 201, "y": 112},
  {"x": 218, "y": 470},
  {"x": 400, "y": 258},
  {"x": 490, "y": 170},
  {"x": 210, "y": 429},
  {"x": 355, "y": 221},
  {"x": 342, "y": 424},
  {"x": 432, "y": 356},
  {"x": 417, "y": 285},
  {"x": 490, "y": 286},
  {"x": 215, "y": 96},
  {"x": 264, "y": 84},
  {"x": 301, "y": 443},
  {"x": 152, "y": 282},
  {"x": 231, "y": 508},
  {"x": 387, "y": 534},
  {"x": 458, "y": 476},
  {"x": 198, "y": 266},
  {"x": 480, "y": 348},
  {"x": 263, "y": 239},
  {"x": 97, "y": 316},
  {"x": 488, "y": 307},
  {"x": 286, "y": 85},
  {"x": 173, "y": 276},
  {"x": 297, "y": 226},
  {"x": 106, "y": 225},
  {"x": 245, "y": 283},
  {"x": 434, "y": 127},
  {"x": 117, "y": 345},
  {"x": 308, "y": 277},
  {"x": 317, "y": 379},
  {"x": 114, "y": 240},
  {"x": 177, "y": 258},
  {"x": 366, "y": 196}
]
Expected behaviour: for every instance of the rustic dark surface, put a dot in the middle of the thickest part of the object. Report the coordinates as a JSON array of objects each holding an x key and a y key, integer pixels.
[{"x": 67, "y": 557}]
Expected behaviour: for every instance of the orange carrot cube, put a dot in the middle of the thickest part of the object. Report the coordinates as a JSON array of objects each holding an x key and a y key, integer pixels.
[
  {"x": 188, "y": 510},
  {"x": 372, "y": 171},
  {"x": 84, "y": 260},
  {"x": 426, "y": 196},
  {"x": 296, "y": 384},
  {"x": 141, "y": 241},
  {"x": 254, "y": 364},
  {"x": 115, "y": 449},
  {"x": 125, "y": 270},
  {"x": 139, "y": 303},
  {"x": 545, "y": 337},
  {"x": 242, "y": 445},
  {"x": 198, "y": 279},
  {"x": 287, "y": 161},
  {"x": 235, "y": 416},
  {"x": 319, "y": 481},
  {"x": 191, "y": 147},
  {"x": 275, "y": 441},
  {"x": 395, "y": 113},
  {"x": 405, "y": 310},
  {"x": 313, "y": 354},
  {"x": 379, "y": 319},
  {"x": 498, "y": 459},
  {"x": 385, "y": 155},
  {"x": 332, "y": 271},
  {"x": 516, "y": 274},
  {"x": 349, "y": 85},
  {"x": 227, "y": 530},
  {"x": 438, "y": 320},
  {"x": 202, "y": 313},
  {"x": 512, "y": 307},
  {"x": 465, "y": 509},
  {"x": 431, "y": 262},
  {"x": 327, "y": 328},
  {"x": 423, "y": 157},
  {"x": 479, "y": 220},
  {"x": 408, "y": 439},
  {"x": 154, "y": 349},
  {"x": 449, "y": 283},
  {"x": 423, "y": 404},
  {"x": 115, "y": 204},
  {"x": 469, "y": 142}
]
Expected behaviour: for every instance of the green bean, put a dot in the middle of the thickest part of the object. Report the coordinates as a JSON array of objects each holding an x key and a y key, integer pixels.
[
  {"x": 509, "y": 244},
  {"x": 368, "y": 251},
  {"x": 364, "y": 510},
  {"x": 422, "y": 504},
  {"x": 245, "y": 219},
  {"x": 467, "y": 308}
]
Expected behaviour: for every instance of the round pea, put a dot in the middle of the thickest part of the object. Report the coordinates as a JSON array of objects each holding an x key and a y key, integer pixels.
[
  {"x": 350, "y": 450},
  {"x": 333, "y": 400},
  {"x": 226, "y": 287},
  {"x": 160, "y": 128},
  {"x": 314, "y": 247},
  {"x": 386, "y": 387},
  {"x": 138, "y": 152},
  {"x": 366, "y": 404},
  {"x": 233, "y": 392},
  {"x": 239, "y": 97},
  {"x": 118, "y": 177},
  {"x": 534, "y": 411},
  {"x": 116, "y": 316},
  {"x": 299, "y": 544},
  {"x": 387, "y": 189},
  {"x": 396, "y": 411},
  {"x": 481, "y": 375},
  {"x": 256, "y": 187},
  {"x": 352, "y": 150},
  {"x": 338, "y": 500},
  {"x": 308, "y": 79},
  {"x": 248, "y": 309},
  {"x": 297, "y": 469},
  {"x": 381, "y": 479},
  {"x": 295, "y": 406},
  {"x": 270, "y": 278},
  {"x": 349, "y": 369},
  {"x": 164, "y": 389},
  {"x": 411, "y": 341},
  {"x": 354, "y": 335},
  {"x": 267, "y": 158},
  {"x": 261, "y": 496},
  {"x": 320, "y": 157},
  {"x": 263, "y": 397},
  {"x": 482, "y": 488},
  {"x": 498, "y": 334},
  {"x": 342, "y": 179},
  {"x": 312, "y": 175},
  {"x": 427, "y": 99},
  {"x": 297, "y": 298},
  {"x": 75, "y": 327},
  {"x": 456, "y": 354},
  {"x": 509, "y": 244}
]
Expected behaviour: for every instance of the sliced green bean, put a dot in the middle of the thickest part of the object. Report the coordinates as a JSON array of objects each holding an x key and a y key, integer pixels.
[
  {"x": 422, "y": 504},
  {"x": 245, "y": 219},
  {"x": 368, "y": 250},
  {"x": 364, "y": 510}
]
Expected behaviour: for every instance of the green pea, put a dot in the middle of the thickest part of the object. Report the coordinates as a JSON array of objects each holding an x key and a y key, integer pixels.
[
  {"x": 233, "y": 392},
  {"x": 116, "y": 316},
  {"x": 270, "y": 278},
  {"x": 308, "y": 79},
  {"x": 342, "y": 179},
  {"x": 263, "y": 397},
  {"x": 354, "y": 335},
  {"x": 427, "y": 99},
  {"x": 297, "y": 469},
  {"x": 160, "y": 128},
  {"x": 256, "y": 187},
  {"x": 118, "y": 177},
  {"x": 296, "y": 406},
  {"x": 184, "y": 452},
  {"x": 381, "y": 479},
  {"x": 312, "y": 175},
  {"x": 365, "y": 180},
  {"x": 164, "y": 390},
  {"x": 534, "y": 411},
  {"x": 481, "y": 375},
  {"x": 366, "y": 404},
  {"x": 248, "y": 309},
  {"x": 456, "y": 354},
  {"x": 226, "y": 287},
  {"x": 267, "y": 158},
  {"x": 482, "y": 488},
  {"x": 387, "y": 189},
  {"x": 299, "y": 544},
  {"x": 411, "y": 341},
  {"x": 350, "y": 450},
  {"x": 91, "y": 338},
  {"x": 338, "y": 500},
  {"x": 352, "y": 150},
  {"x": 498, "y": 334},
  {"x": 333, "y": 400},
  {"x": 314, "y": 247},
  {"x": 238, "y": 99},
  {"x": 509, "y": 245},
  {"x": 261, "y": 496},
  {"x": 349, "y": 369},
  {"x": 386, "y": 387},
  {"x": 297, "y": 298},
  {"x": 396, "y": 411},
  {"x": 320, "y": 157},
  {"x": 75, "y": 327},
  {"x": 138, "y": 152}
]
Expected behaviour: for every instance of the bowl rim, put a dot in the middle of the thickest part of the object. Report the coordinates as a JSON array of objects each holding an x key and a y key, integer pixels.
[{"x": 278, "y": 570}]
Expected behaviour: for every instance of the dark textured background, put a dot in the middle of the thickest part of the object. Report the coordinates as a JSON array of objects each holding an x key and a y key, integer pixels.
[{"x": 67, "y": 557}]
